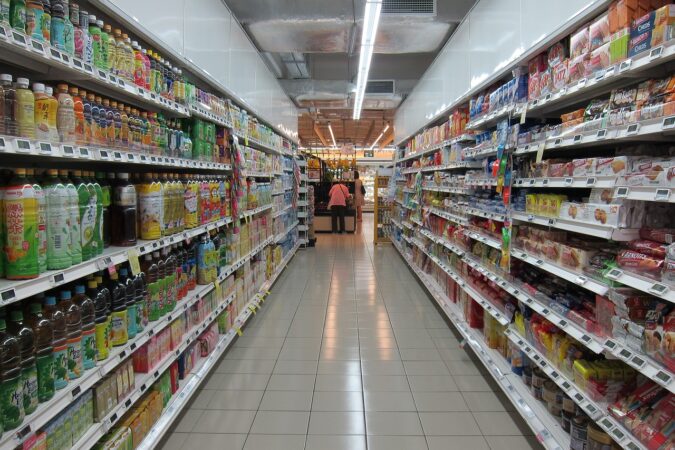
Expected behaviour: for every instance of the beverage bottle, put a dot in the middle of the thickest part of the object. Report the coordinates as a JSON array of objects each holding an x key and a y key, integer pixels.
[
  {"x": 11, "y": 398},
  {"x": 99, "y": 230},
  {"x": 94, "y": 203},
  {"x": 68, "y": 29},
  {"x": 52, "y": 114},
  {"x": 74, "y": 332},
  {"x": 204, "y": 260},
  {"x": 215, "y": 198},
  {"x": 117, "y": 53},
  {"x": 78, "y": 115},
  {"x": 170, "y": 270},
  {"x": 87, "y": 312},
  {"x": 100, "y": 320},
  {"x": 180, "y": 203},
  {"x": 88, "y": 50},
  {"x": 25, "y": 109},
  {"x": 105, "y": 45},
  {"x": 223, "y": 254},
  {"x": 190, "y": 201},
  {"x": 43, "y": 331},
  {"x": 128, "y": 58},
  {"x": 123, "y": 212},
  {"x": 81, "y": 30},
  {"x": 192, "y": 264},
  {"x": 151, "y": 270},
  {"x": 43, "y": 132},
  {"x": 134, "y": 129},
  {"x": 60, "y": 342},
  {"x": 106, "y": 199},
  {"x": 139, "y": 65},
  {"x": 7, "y": 106},
  {"x": 87, "y": 207},
  {"x": 34, "y": 12},
  {"x": 17, "y": 15},
  {"x": 162, "y": 141},
  {"x": 58, "y": 28},
  {"x": 161, "y": 273},
  {"x": 222, "y": 192},
  {"x": 99, "y": 114},
  {"x": 119, "y": 333},
  {"x": 29, "y": 377},
  {"x": 171, "y": 148},
  {"x": 95, "y": 36},
  {"x": 117, "y": 122},
  {"x": 147, "y": 69},
  {"x": 95, "y": 120},
  {"x": 109, "y": 124},
  {"x": 130, "y": 296},
  {"x": 73, "y": 217},
  {"x": 150, "y": 195},
  {"x": 22, "y": 221},
  {"x": 151, "y": 141},
  {"x": 124, "y": 130},
  {"x": 185, "y": 269},
  {"x": 65, "y": 119},
  {"x": 107, "y": 295},
  {"x": 46, "y": 22},
  {"x": 88, "y": 118},
  {"x": 140, "y": 300},
  {"x": 59, "y": 245},
  {"x": 146, "y": 134},
  {"x": 175, "y": 251}
]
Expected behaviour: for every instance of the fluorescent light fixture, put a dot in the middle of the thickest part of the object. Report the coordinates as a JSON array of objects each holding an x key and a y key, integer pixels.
[
  {"x": 332, "y": 135},
  {"x": 371, "y": 20},
  {"x": 385, "y": 128},
  {"x": 379, "y": 137}
]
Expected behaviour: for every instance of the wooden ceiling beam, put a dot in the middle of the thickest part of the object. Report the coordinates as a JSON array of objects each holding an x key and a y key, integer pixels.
[
  {"x": 318, "y": 132},
  {"x": 388, "y": 139}
]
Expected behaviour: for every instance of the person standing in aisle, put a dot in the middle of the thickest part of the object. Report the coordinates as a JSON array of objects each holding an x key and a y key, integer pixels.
[
  {"x": 359, "y": 194},
  {"x": 338, "y": 194}
]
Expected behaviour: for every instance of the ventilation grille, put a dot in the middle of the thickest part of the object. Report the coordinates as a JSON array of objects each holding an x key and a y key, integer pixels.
[
  {"x": 409, "y": 7},
  {"x": 380, "y": 87}
]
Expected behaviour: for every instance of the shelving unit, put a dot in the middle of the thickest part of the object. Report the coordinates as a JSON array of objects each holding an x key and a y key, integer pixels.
[{"x": 382, "y": 210}]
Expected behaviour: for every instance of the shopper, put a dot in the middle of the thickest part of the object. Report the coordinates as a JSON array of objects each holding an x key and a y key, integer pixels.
[
  {"x": 359, "y": 193},
  {"x": 339, "y": 194}
]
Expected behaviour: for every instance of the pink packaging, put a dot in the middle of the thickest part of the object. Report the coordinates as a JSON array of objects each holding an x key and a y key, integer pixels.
[
  {"x": 580, "y": 42},
  {"x": 583, "y": 167},
  {"x": 599, "y": 32}
]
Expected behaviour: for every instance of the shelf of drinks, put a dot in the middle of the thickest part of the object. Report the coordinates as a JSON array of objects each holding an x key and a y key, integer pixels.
[
  {"x": 15, "y": 290},
  {"x": 546, "y": 428},
  {"x": 143, "y": 381},
  {"x": 281, "y": 236},
  {"x": 70, "y": 152},
  {"x": 434, "y": 147},
  {"x": 63, "y": 398},
  {"x": 650, "y": 368},
  {"x": 256, "y": 211},
  {"x": 589, "y": 229},
  {"x": 256, "y": 174},
  {"x": 595, "y": 410},
  {"x": 276, "y": 214},
  {"x": 21, "y": 50}
]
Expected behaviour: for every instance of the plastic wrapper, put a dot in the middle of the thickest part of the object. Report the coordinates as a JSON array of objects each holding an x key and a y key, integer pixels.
[
  {"x": 640, "y": 263},
  {"x": 599, "y": 32},
  {"x": 650, "y": 248},
  {"x": 580, "y": 42}
]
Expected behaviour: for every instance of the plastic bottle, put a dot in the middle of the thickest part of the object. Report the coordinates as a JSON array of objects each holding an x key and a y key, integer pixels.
[
  {"x": 17, "y": 15},
  {"x": 123, "y": 212},
  {"x": 46, "y": 23},
  {"x": 117, "y": 56},
  {"x": 42, "y": 220},
  {"x": 100, "y": 319},
  {"x": 105, "y": 45},
  {"x": 58, "y": 28},
  {"x": 11, "y": 394},
  {"x": 88, "y": 118},
  {"x": 34, "y": 12},
  {"x": 111, "y": 52},
  {"x": 87, "y": 311},
  {"x": 150, "y": 197},
  {"x": 78, "y": 114},
  {"x": 124, "y": 127},
  {"x": 130, "y": 296},
  {"x": 65, "y": 119},
  {"x": 140, "y": 301},
  {"x": 128, "y": 58},
  {"x": 120, "y": 329},
  {"x": 88, "y": 53},
  {"x": 7, "y": 106},
  {"x": 74, "y": 333},
  {"x": 81, "y": 31},
  {"x": 29, "y": 377},
  {"x": 68, "y": 30},
  {"x": 117, "y": 123},
  {"x": 109, "y": 133},
  {"x": 192, "y": 264},
  {"x": 99, "y": 231},
  {"x": 99, "y": 114},
  {"x": 52, "y": 118},
  {"x": 190, "y": 195},
  {"x": 170, "y": 270},
  {"x": 147, "y": 69},
  {"x": 185, "y": 269},
  {"x": 87, "y": 206},
  {"x": 73, "y": 218},
  {"x": 161, "y": 273},
  {"x": 105, "y": 291},
  {"x": 60, "y": 342},
  {"x": 59, "y": 244},
  {"x": 44, "y": 351},
  {"x": 43, "y": 132},
  {"x": 106, "y": 200},
  {"x": 205, "y": 264},
  {"x": 139, "y": 65},
  {"x": 149, "y": 267},
  {"x": 25, "y": 109},
  {"x": 21, "y": 220},
  {"x": 95, "y": 35}
]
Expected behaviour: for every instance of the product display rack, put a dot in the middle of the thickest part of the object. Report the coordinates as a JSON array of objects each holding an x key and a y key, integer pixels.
[
  {"x": 382, "y": 210},
  {"x": 303, "y": 203},
  {"x": 461, "y": 250}
]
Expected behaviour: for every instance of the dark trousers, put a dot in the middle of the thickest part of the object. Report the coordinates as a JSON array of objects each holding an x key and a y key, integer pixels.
[{"x": 335, "y": 212}]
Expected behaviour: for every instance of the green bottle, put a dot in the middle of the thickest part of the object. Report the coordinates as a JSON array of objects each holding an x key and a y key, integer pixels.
[
  {"x": 87, "y": 206},
  {"x": 58, "y": 223},
  {"x": 74, "y": 215},
  {"x": 106, "y": 200},
  {"x": 95, "y": 35},
  {"x": 29, "y": 377},
  {"x": 21, "y": 220},
  {"x": 105, "y": 46},
  {"x": 11, "y": 392},
  {"x": 17, "y": 15},
  {"x": 98, "y": 192},
  {"x": 42, "y": 220}
]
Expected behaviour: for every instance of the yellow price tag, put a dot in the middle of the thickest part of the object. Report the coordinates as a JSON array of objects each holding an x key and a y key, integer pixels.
[
  {"x": 238, "y": 330},
  {"x": 133, "y": 256}
]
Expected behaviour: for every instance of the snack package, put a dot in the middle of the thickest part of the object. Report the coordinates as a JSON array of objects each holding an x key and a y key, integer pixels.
[
  {"x": 580, "y": 42},
  {"x": 611, "y": 167},
  {"x": 599, "y": 60},
  {"x": 603, "y": 195},
  {"x": 650, "y": 248},
  {"x": 577, "y": 68},
  {"x": 583, "y": 167},
  {"x": 556, "y": 54},
  {"x": 618, "y": 45},
  {"x": 599, "y": 32},
  {"x": 573, "y": 211},
  {"x": 663, "y": 235},
  {"x": 575, "y": 257},
  {"x": 669, "y": 268},
  {"x": 559, "y": 75},
  {"x": 640, "y": 263}
]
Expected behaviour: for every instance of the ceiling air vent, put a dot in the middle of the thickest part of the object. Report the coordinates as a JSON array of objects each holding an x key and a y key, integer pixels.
[
  {"x": 409, "y": 7},
  {"x": 380, "y": 87}
]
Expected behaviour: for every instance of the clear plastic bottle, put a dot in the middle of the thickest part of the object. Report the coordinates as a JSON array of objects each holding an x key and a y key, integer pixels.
[
  {"x": 87, "y": 207},
  {"x": 87, "y": 311},
  {"x": 88, "y": 118},
  {"x": 74, "y": 218},
  {"x": 130, "y": 295},
  {"x": 74, "y": 333},
  {"x": 81, "y": 31},
  {"x": 65, "y": 119},
  {"x": 29, "y": 376},
  {"x": 43, "y": 331},
  {"x": 128, "y": 58},
  {"x": 17, "y": 15},
  {"x": 151, "y": 270},
  {"x": 25, "y": 109},
  {"x": 95, "y": 35},
  {"x": 43, "y": 132},
  {"x": 60, "y": 342},
  {"x": 170, "y": 271},
  {"x": 11, "y": 394},
  {"x": 119, "y": 329},
  {"x": 99, "y": 230},
  {"x": 123, "y": 212},
  {"x": 106, "y": 201},
  {"x": 8, "y": 124},
  {"x": 34, "y": 13},
  {"x": 105, "y": 45},
  {"x": 46, "y": 23},
  {"x": 68, "y": 30},
  {"x": 117, "y": 124},
  {"x": 53, "y": 114},
  {"x": 105, "y": 291},
  {"x": 100, "y": 319},
  {"x": 161, "y": 273},
  {"x": 58, "y": 25},
  {"x": 140, "y": 301},
  {"x": 59, "y": 245},
  {"x": 109, "y": 134},
  {"x": 78, "y": 113}
]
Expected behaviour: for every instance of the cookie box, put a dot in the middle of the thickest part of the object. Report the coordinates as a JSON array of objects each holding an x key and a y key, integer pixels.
[
  {"x": 580, "y": 42},
  {"x": 599, "y": 32},
  {"x": 613, "y": 166}
]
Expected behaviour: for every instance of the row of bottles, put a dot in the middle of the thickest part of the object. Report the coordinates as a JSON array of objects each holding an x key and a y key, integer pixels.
[
  {"x": 75, "y": 32},
  {"x": 64, "y": 218}
]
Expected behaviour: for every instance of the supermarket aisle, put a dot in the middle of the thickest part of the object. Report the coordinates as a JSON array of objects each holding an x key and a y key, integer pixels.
[{"x": 348, "y": 353}]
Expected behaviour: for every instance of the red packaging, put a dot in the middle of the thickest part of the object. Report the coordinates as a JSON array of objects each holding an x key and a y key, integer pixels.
[
  {"x": 650, "y": 248},
  {"x": 663, "y": 235},
  {"x": 639, "y": 262},
  {"x": 475, "y": 315}
]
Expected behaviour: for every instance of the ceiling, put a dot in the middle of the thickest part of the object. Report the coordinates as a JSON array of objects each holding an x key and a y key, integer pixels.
[{"x": 312, "y": 48}]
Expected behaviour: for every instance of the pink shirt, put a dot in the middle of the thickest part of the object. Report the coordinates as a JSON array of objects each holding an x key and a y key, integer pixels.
[{"x": 338, "y": 195}]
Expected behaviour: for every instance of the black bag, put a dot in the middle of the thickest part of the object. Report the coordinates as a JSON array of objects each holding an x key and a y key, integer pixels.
[{"x": 363, "y": 189}]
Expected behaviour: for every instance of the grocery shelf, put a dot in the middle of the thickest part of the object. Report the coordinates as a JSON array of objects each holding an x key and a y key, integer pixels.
[
  {"x": 432, "y": 148},
  {"x": 281, "y": 236},
  {"x": 482, "y": 151},
  {"x": 663, "y": 290},
  {"x": 481, "y": 182},
  {"x": 485, "y": 214},
  {"x": 593, "y": 409},
  {"x": 566, "y": 182},
  {"x": 50, "y": 63},
  {"x": 256, "y": 174},
  {"x": 545, "y": 427},
  {"x": 447, "y": 189},
  {"x": 490, "y": 119},
  {"x": 13, "y": 291},
  {"x": 485, "y": 239},
  {"x": 442, "y": 241},
  {"x": 253, "y": 212},
  {"x": 276, "y": 214},
  {"x": 589, "y": 229},
  {"x": 449, "y": 216}
]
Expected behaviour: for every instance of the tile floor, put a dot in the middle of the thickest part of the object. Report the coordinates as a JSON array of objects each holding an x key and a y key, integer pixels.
[{"x": 349, "y": 353}]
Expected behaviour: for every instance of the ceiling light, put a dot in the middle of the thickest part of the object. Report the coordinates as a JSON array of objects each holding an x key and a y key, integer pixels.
[
  {"x": 371, "y": 20},
  {"x": 379, "y": 137},
  {"x": 332, "y": 135}
]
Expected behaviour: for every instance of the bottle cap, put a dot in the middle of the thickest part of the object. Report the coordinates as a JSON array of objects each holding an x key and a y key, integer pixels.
[
  {"x": 16, "y": 315},
  {"x": 50, "y": 300},
  {"x": 39, "y": 88},
  {"x": 5, "y": 77},
  {"x": 99, "y": 23},
  {"x": 65, "y": 295},
  {"x": 79, "y": 289},
  {"x": 35, "y": 308},
  {"x": 23, "y": 82}
]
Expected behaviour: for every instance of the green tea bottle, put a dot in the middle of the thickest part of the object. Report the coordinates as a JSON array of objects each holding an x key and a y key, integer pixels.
[
  {"x": 74, "y": 333},
  {"x": 44, "y": 352},
  {"x": 92, "y": 184},
  {"x": 21, "y": 221},
  {"x": 60, "y": 344},
  {"x": 87, "y": 206},
  {"x": 42, "y": 220},
  {"x": 119, "y": 332},
  {"x": 74, "y": 218},
  {"x": 11, "y": 391},
  {"x": 59, "y": 246},
  {"x": 130, "y": 295},
  {"x": 29, "y": 377},
  {"x": 87, "y": 311}
]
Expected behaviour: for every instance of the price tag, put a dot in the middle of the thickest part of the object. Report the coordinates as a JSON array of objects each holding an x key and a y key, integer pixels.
[
  {"x": 614, "y": 274},
  {"x": 68, "y": 150},
  {"x": 78, "y": 64},
  {"x": 544, "y": 182},
  {"x": 131, "y": 157},
  {"x": 8, "y": 295},
  {"x": 662, "y": 195},
  {"x": 656, "y": 52},
  {"x": 601, "y": 134},
  {"x": 577, "y": 138},
  {"x": 88, "y": 68},
  {"x": 668, "y": 123},
  {"x": 102, "y": 75},
  {"x": 568, "y": 181},
  {"x": 133, "y": 255},
  {"x": 3, "y": 145},
  {"x": 65, "y": 58},
  {"x": 658, "y": 289},
  {"x": 3, "y": 33},
  {"x": 632, "y": 129},
  {"x": 625, "y": 65},
  {"x": 581, "y": 280},
  {"x": 153, "y": 159},
  {"x": 581, "y": 83},
  {"x": 23, "y": 145},
  {"x": 599, "y": 75},
  {"x": 112, "y": 78},
  {"x": 117, "y": 156},
  {"x": 18, "y": 38},
  {"x": 103, "y": 154},
  {"x": 121, "y": 83},
  {"x": 58, "y": 279},
  {"x": 84, "y": 153},
  {"x": 621, "y": 192},
  {"x": 140, "y": 91},
  {"x": 45, "y": 148},
  {"x": 590, "y": 181},
  {"x": 662, "y": 377},
  {"x": 37, "y": 46},
  {"x": 144, "y": 159},
  {"x": 557, "y": 142}
]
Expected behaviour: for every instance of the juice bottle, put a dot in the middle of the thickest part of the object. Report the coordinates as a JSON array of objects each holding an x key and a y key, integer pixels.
[
  {"x": 161, "y": 273},
  {"x": 42, "y": 123},
  {"x": 141, "y": 304},
  {"x": 134, "y": 129},
  {"x": 109, "y": 124},
  {"x": 170, "y": 271},
  {"x": 151, "y": 271},
  {"x": 7, "y": 106},
  {"x": 119, "y": 329},
  {"x": 25, "y": 109},
  {"x": 105, "y": 45},
  {"x": 22, "y": 222},
  {"x": 222, "y": 193},
  {"x": 87, "y": 311},
  {"x": 46, "y": 23},
  {"x": 59, "y": 245},
  {"x": 190, "y": 201},
  {"x": 78, "y": 114},
  {"x": 150, "y": 196},
  {"x": 98, "y": 231},
  {"x": 147, "y": 69},
  {"x": 80, "y": 21},
  {"x": 185, "y": 269},
  {"x": 105, "y": 291},
  {"x": 34, "y": 12},
  {"x": 124, "y": 127},
  {"x": 180, "y": 203},
  {"x": 43, "y": 331},
  {"x": 98, "y": 112},
  {"x": 11, "y": 394},
  {"x": 17, "y": 15},
  {"x": 106, "y": 200},
  {"x": 65, "y": 119},
  {"x": 128, "y": 58},
  {"x": 123, "y": 212},
  {"x": 87, "y": 207},
  {"x": 60, "y": 343},
  {"x": 100, "y": 320},
  {"x": 117, "y": 123},
  {"x": 88, "y": 118},
  {"x": 110, "y": 48},
  {"x": 52, "y": 118},
  {"x": 74, "y": 333},
  {"x": 192, "y": 264},
  {"x": 95, "y": 36},
  {"x": 146, "y": 136},
  {"x": 215, "y": 198},
  {"x": 130, "y": 296},
  {"x": 94, "y": 124},
  {"x": 73, "y": 218},
  {"x": 29, "y": 377},
  {"x": 68, "y": 30},
  {"x": 139, "y": 65},
  {"x": 58, "y": 26},
  {"x": 204, "y": 263}
]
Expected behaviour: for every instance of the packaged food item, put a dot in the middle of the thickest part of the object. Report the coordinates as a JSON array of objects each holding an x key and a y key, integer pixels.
[
  {"x": 583, "y": 167},
  {"x": 580, "y": 42},
  {"x": 599, "y": 32},
  {"x": 574, "y": 257},
  {"x": 556, "y": 54},
  {"x": 599, "y": 60},
  {"x": 559, "y": 75},
  {"x": 650, "y": 248},
  {"x": 572, "y": 211},
  {"x": 640, "y": 263},
  {"x": 577, "y": 68},
  {"x": 612, "y": 166},
  {"x": 603, "y": 195},
  {"x": 618, "y": 45}
]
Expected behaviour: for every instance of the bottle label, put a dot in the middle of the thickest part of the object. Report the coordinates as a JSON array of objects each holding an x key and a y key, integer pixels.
[
  {"x": 45, "y": 377},
  {"x": 131, "y": 321},
  {"x": 75, "y": 358},
  {"x": 88, "y": 349},
  {"x": 58, "y": 35},
  {"x": 87, "y": 225},
  {"x": 125, "y": 196},
  {"x": 22, "y": 240},
  {"x": 151, "y": 212},
  {"x": 155, "y": 301},
  {"x": 110, "y": 337},
  {"x": 80, "y": 43},
  {"x": 170, "y": 293},
  {"x": 75, "y": 227},
  {"x": 162, "y": 296},
  {"x": 120, "y": 330},
  {"x": 42, "y": 229},
  {"x": 139, "y": 317},
  {"x": 59, "y": 254},
  {"x": 60, "y": 366},
  {"x": 34, "y": 23},
  {"x": 29, "y": 382},
  {"x": 11, "y": 399},
  {"x": 102, "y": 339},
  {"x": 46, "y": 25},
  {"x": 18, "y": 17}
]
